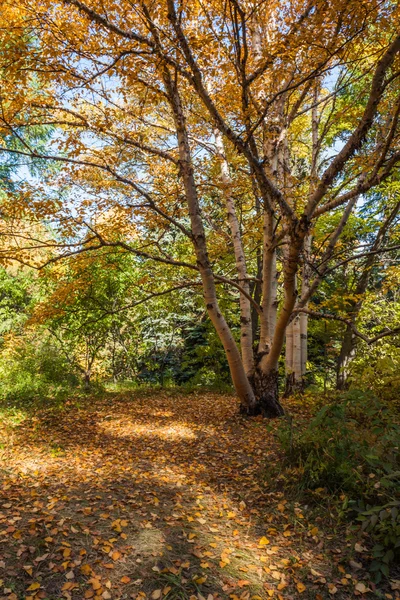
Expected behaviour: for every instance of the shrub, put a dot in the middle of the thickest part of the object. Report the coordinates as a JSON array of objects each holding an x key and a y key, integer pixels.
[
  {"x": 32, "y": 370},
  {"x": 351, "y": 449}
]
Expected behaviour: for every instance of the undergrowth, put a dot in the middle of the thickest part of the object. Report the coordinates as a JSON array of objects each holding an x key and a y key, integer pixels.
[{"x": 349, "y": 450}]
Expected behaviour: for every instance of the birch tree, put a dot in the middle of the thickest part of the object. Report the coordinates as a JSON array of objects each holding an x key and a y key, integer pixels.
[{"x": 142, "y": 94}]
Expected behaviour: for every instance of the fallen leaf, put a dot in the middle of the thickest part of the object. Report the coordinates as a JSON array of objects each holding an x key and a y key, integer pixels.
[{"x": 263, "y": 541}]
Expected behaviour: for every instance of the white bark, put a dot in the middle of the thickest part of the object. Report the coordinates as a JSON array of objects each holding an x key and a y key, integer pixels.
[
  {"x": 238, "y": 374},
  {"x": 289, "y": 350},
  {"x": 246, "y": 333},
  {"x": 297, "y": 350},
  {"x": 269, "y": 286},
  {"x": 303, "y": 344}
]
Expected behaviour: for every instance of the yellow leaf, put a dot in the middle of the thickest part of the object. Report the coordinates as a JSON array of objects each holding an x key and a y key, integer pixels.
[
  {"x": 68, "y": 586},
  {"x": 263, "y": 541},
  {"x": 33, "y": 586},
  {"x": 300, "y": 587},
  {"x": 332, "y": 589},
  {"x": 156, "y": 594},
  {"x": 86, "y": 569},
  {"x": 282, "y": 585}
]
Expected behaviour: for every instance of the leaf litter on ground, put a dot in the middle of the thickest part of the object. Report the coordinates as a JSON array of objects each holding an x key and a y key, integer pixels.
[{"x": 158, "y": 495}]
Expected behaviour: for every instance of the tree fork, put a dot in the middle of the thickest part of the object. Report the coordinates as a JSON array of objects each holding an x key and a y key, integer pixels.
[{"x": 266, "y": 392}]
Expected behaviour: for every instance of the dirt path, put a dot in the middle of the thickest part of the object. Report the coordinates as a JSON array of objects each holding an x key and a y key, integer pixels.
[{"x": 155, "y": 496}]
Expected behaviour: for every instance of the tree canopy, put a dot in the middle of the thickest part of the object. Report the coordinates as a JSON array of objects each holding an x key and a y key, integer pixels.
[{"x": 231, "y": 144}]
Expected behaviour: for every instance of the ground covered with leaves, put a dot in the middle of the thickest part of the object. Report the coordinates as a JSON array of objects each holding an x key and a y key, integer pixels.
[{"x": 161, "y": 495}]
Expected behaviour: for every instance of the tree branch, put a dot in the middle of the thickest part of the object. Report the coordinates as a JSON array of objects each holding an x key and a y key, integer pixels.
[{"x": 365, "y": 338}]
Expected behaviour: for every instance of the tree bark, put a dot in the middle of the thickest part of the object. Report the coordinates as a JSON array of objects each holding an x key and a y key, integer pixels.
[
  {"x": 296, "y": 355},
  {"x": 297, "y": 335},
  {"x": 265, "y": 386},
  {"x": 238, "y": 373},
  {"x": 347, "y": 352},
  {"x": 258, "y": 393},
  {"x": 268, "y": 364},
  {"x": 86, "y": 380},
  {"x": 246, "y": 332},
  {"x": 269, "y": 285}
]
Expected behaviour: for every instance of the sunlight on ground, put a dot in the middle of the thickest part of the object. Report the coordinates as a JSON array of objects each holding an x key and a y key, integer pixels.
[{"x": 126, "y": 429}]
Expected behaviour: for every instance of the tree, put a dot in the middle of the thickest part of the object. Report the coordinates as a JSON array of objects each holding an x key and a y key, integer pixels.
[
  {"x": 144, "y": 96},
  {"x": 362, "y": 281}
]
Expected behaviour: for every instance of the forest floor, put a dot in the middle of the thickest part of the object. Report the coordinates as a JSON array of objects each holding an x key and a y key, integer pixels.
[{"x": 160, "y": 495}]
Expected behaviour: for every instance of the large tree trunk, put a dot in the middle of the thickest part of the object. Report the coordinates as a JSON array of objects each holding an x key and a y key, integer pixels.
[
  {"x": 265, "y": 386},
  {"x": 294, "y": 360},
  {"x": 238, "y": 373},
  {"x": 86, "y": 379},
  {"x": 246, "y": 332},
  {"x": 269, "y": 285},
  {"x": 258, "y": 392},
  {"x": 297, "y": 336},
  {"x": 267, "y": 370}
]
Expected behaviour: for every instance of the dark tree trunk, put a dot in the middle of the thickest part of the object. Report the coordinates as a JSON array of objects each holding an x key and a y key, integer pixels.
[
  {"x": 86, "y": 380},
  {"x": 292, "y": 386},
  {"x": 347, "y": 352},
  {"x": 265, "y": 388}
]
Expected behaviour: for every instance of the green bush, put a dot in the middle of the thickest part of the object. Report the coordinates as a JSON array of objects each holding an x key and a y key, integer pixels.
[
  {"x": 35, "y": 371},
  {"x": 346, "y": 447},
  {"x": 382, "y": 523},
  {"x": 351, "y": 449}
]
